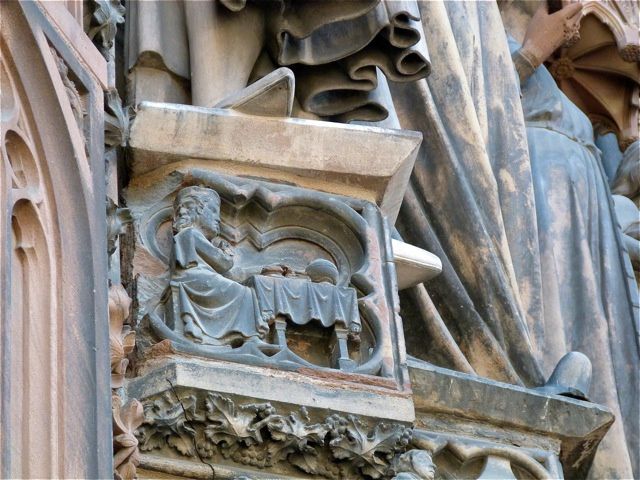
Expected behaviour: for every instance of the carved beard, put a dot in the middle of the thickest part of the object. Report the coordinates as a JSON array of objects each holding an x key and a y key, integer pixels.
[{"x": 183, "y": 221}]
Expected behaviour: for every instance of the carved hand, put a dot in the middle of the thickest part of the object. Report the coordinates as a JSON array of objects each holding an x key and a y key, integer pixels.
[{"x": 546, "y": 33}]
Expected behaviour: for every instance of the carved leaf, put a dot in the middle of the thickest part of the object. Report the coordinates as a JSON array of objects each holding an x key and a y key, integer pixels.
[
  {"x": 370, "y": 452},
  {"x": 166, "y": 425},
  {"x": 121, "y": 337},
  {"x": 319, "y": 465},
  {"x": 116, "y": 125},
  {"x": 230, "y": 424},
  {"x": 125, "y": 445},
  {"x": 293, "y": 433},
  {"x": 182, "y": 441}
]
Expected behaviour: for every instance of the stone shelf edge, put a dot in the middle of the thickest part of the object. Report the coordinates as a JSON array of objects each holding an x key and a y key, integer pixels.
[
  {"x": 353, "y": 160},
  {"x": 445, "y": 396}
]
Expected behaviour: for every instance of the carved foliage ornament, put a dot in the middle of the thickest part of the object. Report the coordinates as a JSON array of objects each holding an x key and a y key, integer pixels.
[
  {"x": 121, "y": 337},
  {"x": 126, "y": 419},
  {"x": 106, "y": 17},
  {"x": 116, "y": 120},
  {"x": 256, "y": 434}
]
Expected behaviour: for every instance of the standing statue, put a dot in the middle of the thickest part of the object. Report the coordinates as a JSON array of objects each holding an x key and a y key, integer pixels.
[
  {"x": 587, "y": 297},
  {"x": 509, "y": 192},
  {"x": 202, "y": 303}
]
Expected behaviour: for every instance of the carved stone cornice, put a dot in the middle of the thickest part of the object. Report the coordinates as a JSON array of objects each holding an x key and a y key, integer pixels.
[{"x": 212, "y": 427}]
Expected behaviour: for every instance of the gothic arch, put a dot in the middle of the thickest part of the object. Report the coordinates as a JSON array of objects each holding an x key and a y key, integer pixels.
[{"x": 53, "y": 289}]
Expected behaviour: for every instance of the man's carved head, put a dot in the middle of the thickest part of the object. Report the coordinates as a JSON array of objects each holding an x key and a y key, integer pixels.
[{"x": 197, "y": 207}]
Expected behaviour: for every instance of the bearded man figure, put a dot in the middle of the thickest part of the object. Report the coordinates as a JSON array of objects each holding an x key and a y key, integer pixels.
[{"x": 202, "y": 304}]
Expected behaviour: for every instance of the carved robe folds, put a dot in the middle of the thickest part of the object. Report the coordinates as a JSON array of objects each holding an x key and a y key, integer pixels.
[{"x": 212, "y": 309}]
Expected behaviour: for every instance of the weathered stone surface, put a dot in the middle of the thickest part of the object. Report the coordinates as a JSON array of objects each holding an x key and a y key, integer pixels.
[
  {"x": 356, "y": 394},
  {"x": 309, "y": 279},
  {"x": 362, "y": 162},
  {"x": 55, "y": 412},
  {"x": 447, "y": 399},
  {"x": 228, "y": 429}
]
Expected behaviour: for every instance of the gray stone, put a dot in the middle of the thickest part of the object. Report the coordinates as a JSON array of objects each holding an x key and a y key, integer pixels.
[
  {"x": 271, "y": 96},
  {"x": 449, "y": 401},
  {"x": 362, "y": 162}
]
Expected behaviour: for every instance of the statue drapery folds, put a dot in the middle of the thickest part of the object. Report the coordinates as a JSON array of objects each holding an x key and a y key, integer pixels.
[
  {"x": 341, "y": 52},
  {"x": 533, "y": 262}
]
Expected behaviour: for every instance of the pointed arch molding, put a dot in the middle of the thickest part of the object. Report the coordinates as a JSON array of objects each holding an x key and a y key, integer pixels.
[
  {"x": 54, "y": 353},
  {"x": 625, "y": 34}
]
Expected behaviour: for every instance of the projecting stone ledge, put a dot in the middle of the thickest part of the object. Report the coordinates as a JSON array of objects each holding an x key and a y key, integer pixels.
[
  {"x": 362, "y": 162},
  {"x": 523, "y": 429}
]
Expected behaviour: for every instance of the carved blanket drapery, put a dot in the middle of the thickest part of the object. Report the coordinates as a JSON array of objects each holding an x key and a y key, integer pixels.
[{"x": 303, "y": 301}]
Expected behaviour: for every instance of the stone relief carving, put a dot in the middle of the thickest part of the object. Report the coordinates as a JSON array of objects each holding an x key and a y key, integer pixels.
[
  {"x": 117, "y": 220},
  {"x": 116, "y": 120},
  {"x": 202, "y": 304},
  {"x": 371, "y": 452},
  {"x": 121, "y": 337},
  {"x": 75, "y": 99},
  {"x": 166, "y": 424},
  {"x": 256, "y": 434},
  {"x": 105, "y": 19},
  {"x": 462, "y": 457},
  {"x": 206, "y": 426},
  {"x": 253, "y": 275},
  {"x": 126, "y": 419},
  {"x": 414, "y": 465}
]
